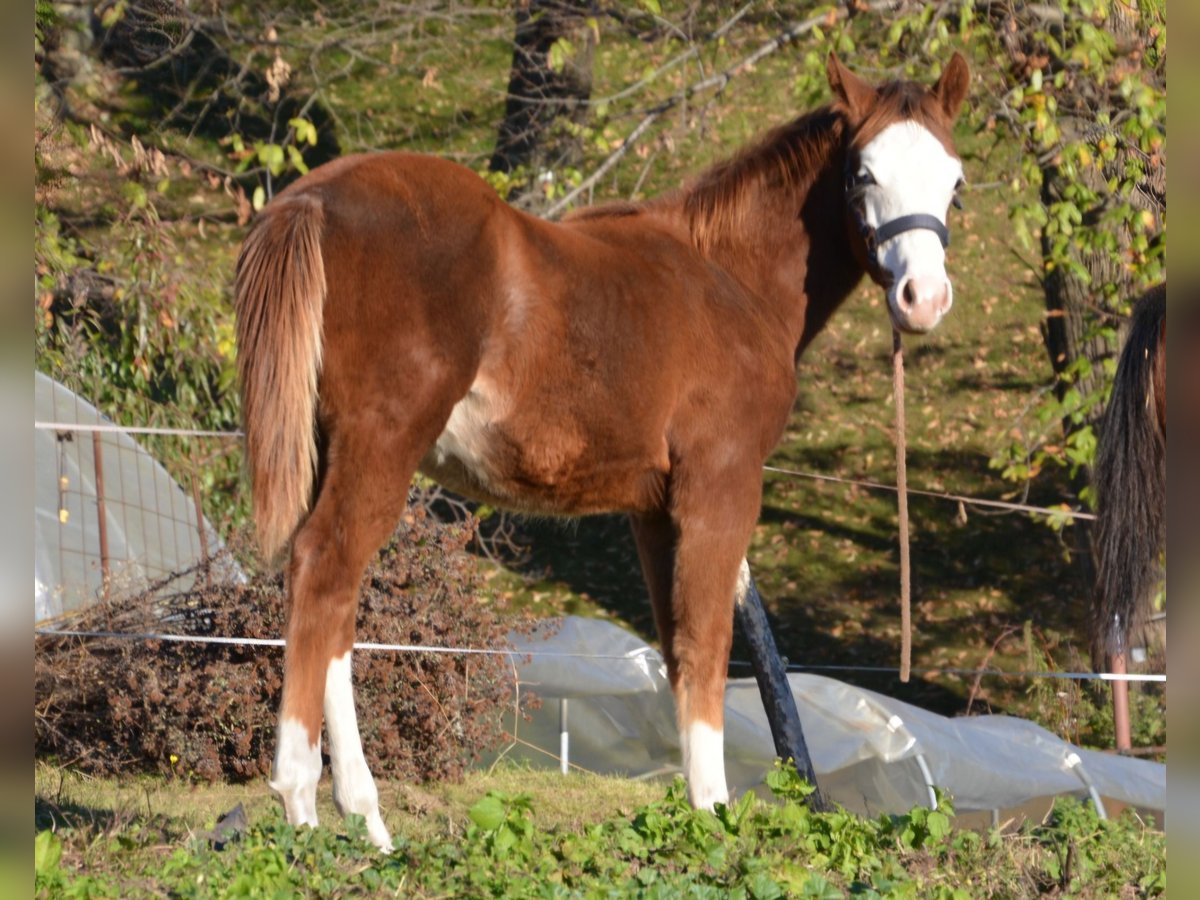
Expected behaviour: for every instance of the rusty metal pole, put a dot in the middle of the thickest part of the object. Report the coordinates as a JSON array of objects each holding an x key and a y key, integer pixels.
[
  {"x": 200, "y": 523},
  {"x": 1120, "y": 696},
  {"x": 101, "y": 513}
]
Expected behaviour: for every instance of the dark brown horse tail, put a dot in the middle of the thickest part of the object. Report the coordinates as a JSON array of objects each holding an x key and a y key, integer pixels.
[
  {"x": 280, "y": 301},
  {"x": 1131, "y": 484}
]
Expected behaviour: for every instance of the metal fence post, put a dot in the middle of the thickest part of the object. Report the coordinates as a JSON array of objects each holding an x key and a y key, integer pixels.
[
  {"x": 564, "y": 737},
  {"x": 101, "y": 513}
]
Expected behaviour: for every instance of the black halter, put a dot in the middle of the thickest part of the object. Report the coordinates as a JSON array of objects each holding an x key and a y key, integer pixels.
[{"x": 874, "y": 236}]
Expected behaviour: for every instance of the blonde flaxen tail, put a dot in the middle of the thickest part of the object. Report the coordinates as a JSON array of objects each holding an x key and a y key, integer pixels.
[{"x": 280, "y": 297}]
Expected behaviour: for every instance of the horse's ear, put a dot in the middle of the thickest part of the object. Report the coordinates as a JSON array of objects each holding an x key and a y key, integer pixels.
[
  {"x": 854, "y": 93},
  {"x": 952, "y": 87}
]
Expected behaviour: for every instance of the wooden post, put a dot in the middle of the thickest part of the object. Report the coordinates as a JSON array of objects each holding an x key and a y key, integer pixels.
[
  {"x": 101, "y": 514},
  {"x": 777, "y": 697},
  {"x": 1120, "y": 695}
]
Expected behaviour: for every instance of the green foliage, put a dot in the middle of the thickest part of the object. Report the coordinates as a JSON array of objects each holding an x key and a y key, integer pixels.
[
  {"x": 47, "y": 852},
  {"x": 1082, "y": 853},
  {"x": 45, "y": 18},
  {"x": 276, "y": 158},
  {"x": 126, "y": 322},
  {"x": 751, "y": 849},
  {"x": 1081, "y": 712},
  {"x": 1096, "y": 117},
  {"x": 561, "y": 52},
  {"x": 1044, "y": 443}
]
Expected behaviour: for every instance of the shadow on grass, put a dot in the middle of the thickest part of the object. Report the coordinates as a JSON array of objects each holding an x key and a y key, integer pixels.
[{"x": 69, "y": 814}]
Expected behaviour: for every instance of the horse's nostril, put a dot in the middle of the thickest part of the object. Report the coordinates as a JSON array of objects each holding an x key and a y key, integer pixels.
[{"x": 909, "y": 294}]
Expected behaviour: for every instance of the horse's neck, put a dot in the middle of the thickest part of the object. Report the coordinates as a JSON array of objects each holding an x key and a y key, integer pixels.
[{"x": 794, "y": 254}]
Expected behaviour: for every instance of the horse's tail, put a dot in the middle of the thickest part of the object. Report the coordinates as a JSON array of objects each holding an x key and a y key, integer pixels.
[
  {"x": 1131, "y": 484},
  {"x": 280, "y": 299}
]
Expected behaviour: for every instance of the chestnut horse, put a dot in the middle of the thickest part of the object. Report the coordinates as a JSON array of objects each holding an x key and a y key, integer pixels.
[{"x": 394, "y": 315}]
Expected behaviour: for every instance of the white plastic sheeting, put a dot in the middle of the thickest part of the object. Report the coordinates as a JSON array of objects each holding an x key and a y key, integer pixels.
[
  {"x": 151, "y": 523},
  {"x": 871, "y": 753}
]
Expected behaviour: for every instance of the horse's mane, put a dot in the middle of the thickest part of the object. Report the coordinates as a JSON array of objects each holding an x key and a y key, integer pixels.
[
  {"x": 795, "y": 153},
  {"x": 614, "y": 209},
  {"x": 718, "y": 201},
  {"x": 789, "y": 156}
]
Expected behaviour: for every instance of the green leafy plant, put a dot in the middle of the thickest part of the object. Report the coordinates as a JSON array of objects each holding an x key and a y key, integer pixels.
[
  {"x": 1088, "y": 99},
  {"x": 750, "y": 849}
]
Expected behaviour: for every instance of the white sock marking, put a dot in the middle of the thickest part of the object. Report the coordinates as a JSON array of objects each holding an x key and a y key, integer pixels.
[
  {"x": 354, "y": 789},
  {"x": 743, "y": 583},
  {"x": 296, "y": 771},
  {"x": 704, "y": 763}
]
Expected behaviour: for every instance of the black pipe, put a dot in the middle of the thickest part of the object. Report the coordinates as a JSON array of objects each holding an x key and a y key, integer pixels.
[{"x": 776, "y": 692}]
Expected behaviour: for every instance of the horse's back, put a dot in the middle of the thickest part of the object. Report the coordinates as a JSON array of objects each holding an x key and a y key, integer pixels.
[
  {"x": 395, "y": 208},
  {"x": 559, "y": 365}
]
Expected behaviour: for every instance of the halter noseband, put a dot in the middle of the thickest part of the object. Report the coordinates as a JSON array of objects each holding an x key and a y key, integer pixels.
[{"x": 873, "y": 236}]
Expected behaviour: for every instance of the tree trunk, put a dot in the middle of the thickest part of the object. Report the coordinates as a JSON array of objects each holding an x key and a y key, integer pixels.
[
  {"x": 544, "y": 91},
  {"x": 1078, "y": 306},
  {"x": 1074, "y": 304}
]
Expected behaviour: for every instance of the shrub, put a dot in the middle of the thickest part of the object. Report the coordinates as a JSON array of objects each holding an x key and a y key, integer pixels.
[{"x": 110, "y": 705}]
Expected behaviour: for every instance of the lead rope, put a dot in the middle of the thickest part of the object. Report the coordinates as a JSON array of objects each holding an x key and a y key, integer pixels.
[{"x": 902, "y": 496}]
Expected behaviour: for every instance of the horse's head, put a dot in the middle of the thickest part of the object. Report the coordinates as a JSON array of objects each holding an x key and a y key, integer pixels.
[{"x": 901, "y": 176}]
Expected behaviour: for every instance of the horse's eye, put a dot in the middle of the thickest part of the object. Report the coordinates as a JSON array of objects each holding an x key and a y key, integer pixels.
[
  {"x": 957, "y": 199},
  {"x": 859, "y": 180}
]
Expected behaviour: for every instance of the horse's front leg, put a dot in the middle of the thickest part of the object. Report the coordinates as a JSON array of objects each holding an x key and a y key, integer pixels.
[{"x": 713, "y": 531}]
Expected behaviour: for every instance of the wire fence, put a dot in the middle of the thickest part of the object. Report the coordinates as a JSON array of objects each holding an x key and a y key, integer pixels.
[
  {"x": 540, "y": 654},
  {"x": 108, "y": 513},
  {"x": 145, "y": 526}
]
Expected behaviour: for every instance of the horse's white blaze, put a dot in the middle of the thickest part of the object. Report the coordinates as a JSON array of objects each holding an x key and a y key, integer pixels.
[
  {"x": 914, "y": 173},
  {"x": 704, "y": 764},
  {"x": 354, "y": 789},
  {"x": 296, "y": 771}
]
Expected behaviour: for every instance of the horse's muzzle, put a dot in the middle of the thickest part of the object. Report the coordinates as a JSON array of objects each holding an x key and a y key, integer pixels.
[{"x": 917, "y": 303}]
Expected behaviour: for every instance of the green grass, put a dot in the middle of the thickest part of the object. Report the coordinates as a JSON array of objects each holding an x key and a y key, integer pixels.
[
  {"x": 66, "y": 798},
  {"x": 516, "y": 833}
]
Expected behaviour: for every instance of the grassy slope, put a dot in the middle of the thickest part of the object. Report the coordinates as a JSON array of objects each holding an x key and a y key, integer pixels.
[
  {"x": 65, "y": 798},
  {"x": 578, "y": 836}
]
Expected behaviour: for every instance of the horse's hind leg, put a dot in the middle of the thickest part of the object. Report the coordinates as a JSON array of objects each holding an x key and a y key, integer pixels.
[
  {"x": 654, "y": 535},
  {"x": 361, "y": 497}
]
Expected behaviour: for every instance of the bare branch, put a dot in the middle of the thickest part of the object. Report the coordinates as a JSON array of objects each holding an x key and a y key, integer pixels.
[{"x": 717, "y": 81}]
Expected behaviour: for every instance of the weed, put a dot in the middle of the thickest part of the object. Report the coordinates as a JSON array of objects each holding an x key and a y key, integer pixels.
[{"x": 749, "y": 849}]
